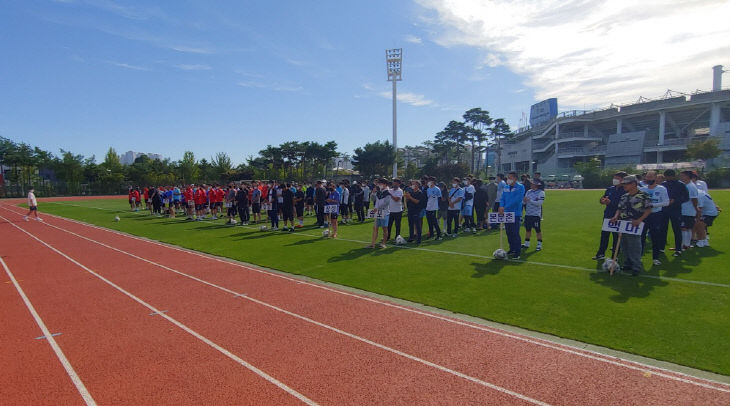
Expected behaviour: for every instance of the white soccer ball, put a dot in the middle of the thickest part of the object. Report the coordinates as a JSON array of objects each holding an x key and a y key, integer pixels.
[
  {"x": 263, "y": 228},
  {"x": 609, "y": 264},
  {"x": 326, "y": 233},
  {"x": 500, "y": 254},
  {"x": 400, "y": 240},
  {"x": 116, "y": 218}
]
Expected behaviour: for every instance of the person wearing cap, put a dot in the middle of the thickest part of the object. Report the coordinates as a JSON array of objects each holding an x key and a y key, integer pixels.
[
  {"x": 610, "y": 199},
  {"x": 690, "y": 210},
  {"x": 634, "y": 206},
  {"x": 533, "y": 201},
  {"x": 655, "y": 221}
]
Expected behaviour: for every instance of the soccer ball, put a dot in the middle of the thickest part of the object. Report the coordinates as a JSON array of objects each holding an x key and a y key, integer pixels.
[
  {"x": 500, "y": 254},
  {"x": 116, "y": 218},
  {"x": 609, "y": 264},
  {"x": 400, "y": 240},
  {"x": 326, "y": 233},
  {"x": 263, "y": 228}
]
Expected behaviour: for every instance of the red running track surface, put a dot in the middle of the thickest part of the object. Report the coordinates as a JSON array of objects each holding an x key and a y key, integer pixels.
[{"x": 328, "y": 346}]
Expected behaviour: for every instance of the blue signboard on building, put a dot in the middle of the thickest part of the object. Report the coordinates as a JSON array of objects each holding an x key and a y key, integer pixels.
[{"x": 543, "y": 112}]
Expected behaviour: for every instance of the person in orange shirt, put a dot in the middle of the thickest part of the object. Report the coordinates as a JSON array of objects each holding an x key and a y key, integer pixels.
[
  {"x": 220, "y": 197},
  {"x": 137, "y": 200},
  {"x": 146, "y": 196},
  {"x": 132, "y": 201},
  {"x": 189, "y": 195},
  {"x": 200, "y": 202}
]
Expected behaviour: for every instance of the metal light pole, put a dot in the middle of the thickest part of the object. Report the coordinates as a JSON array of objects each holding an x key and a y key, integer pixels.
[{"x": 393, "y": 59}]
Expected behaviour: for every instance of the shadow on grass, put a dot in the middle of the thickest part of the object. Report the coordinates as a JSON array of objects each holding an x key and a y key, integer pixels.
[
  {"x": 305, "y": 241},
  {"x": 353, "y": 254},
  {"x": 492, "y": 267},
  {"x": 627, "y": 286}
]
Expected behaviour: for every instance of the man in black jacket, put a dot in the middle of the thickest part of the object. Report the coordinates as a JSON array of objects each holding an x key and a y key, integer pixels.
[
  {"x": 320, "y": 195},
  {"x": 416, "y": 203},
  {"x": 678, "y": 194}
]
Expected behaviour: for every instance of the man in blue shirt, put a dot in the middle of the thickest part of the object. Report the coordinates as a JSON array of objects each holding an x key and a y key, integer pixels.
[
  {"x": 610, "y": 199},
  {"x": 511, "y": 201}
]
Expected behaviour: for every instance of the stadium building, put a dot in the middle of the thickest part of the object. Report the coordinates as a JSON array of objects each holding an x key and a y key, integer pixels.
[{"x": 647, "y": 132}]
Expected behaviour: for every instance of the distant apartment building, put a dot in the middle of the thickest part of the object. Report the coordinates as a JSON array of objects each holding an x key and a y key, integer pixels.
[
  {"x": 647, "y": 132},
  {"x": 128, "y": 157}
]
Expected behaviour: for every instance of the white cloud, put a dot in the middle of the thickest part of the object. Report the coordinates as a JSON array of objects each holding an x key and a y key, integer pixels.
[
  {"x": 193, "y": 67},
  {"x": 413, "y": 39},
  {"x": 126, "y": 65},
  {"x": 592, "y": 52},
  {"x": 414, "y": 99}
]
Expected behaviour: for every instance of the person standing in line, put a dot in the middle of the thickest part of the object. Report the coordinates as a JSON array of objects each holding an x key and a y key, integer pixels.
[
  {"x": 610, "y": 199},
  {"x": 501, "y": 185},
  {"x": 132, "y": 199},
  {"x": 511, "y": 202},
  {"x": 415, "y": 200},
  {"x": 256, "y": 202},
  {"x": 287, "y": 207},
  {"x": 366, "y": 196},
  {"x": 395, "y": 208},
  {"x": 534, "y": 198},
  {"x": 467, "y": 208},
  {"x": 242, "y": 204},
  {"x": 635, "y": 206},
  {"x": 480, "y": 204},
  {"x": 491, "y": 200},
  {"x": 189, "y": 195},
  {"x": 678, "y": 194},
  {"x": 320, "y": 197},
  {"x": 32, "y": 206},
  {"x": 299, "y": 200},
  {"x": 654, "y": 223},
  {"x": 358, "y": 195},
  {"x": 455, "y": 198},
  {"x": 433, "y": 199},
  {"x": 344, "y": 192},
  {"x": 333, "y": 201},
  {"x": 381, "y": 194},
  {"x": 690, "y": 211}
]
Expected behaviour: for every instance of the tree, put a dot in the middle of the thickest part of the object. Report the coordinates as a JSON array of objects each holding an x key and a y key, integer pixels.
[
  {"x": 374, "y": 158},
  {"x": 704, "y": 149},
  {"x": 188, "y": 169},
  {"x": 222, "y": 168},
  {"x": 479, "y": 121},
  {"x": 500, "y": 130}
]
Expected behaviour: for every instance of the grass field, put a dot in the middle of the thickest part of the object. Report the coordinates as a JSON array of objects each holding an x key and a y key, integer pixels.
[{"x": 678, "y": 312}]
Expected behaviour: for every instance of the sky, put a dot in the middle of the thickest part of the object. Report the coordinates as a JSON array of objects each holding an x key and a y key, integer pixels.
[{"x": 233, "y": 76}]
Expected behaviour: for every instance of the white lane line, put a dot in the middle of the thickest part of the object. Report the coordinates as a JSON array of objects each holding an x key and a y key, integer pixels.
[
  {"x": 298, "y": 316},
  {"x": 52, "y": 341},
  {"x": 182, "y": 326},
  {"x": 463, "y": 254},
  {"x": 593, "y": 355}
]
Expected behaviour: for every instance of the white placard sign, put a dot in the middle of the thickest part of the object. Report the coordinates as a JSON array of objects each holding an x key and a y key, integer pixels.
[
  {"x": 331, "y": 208},
  {"x": 622, "y": 226},
  {"x": 507, "y": 217}
]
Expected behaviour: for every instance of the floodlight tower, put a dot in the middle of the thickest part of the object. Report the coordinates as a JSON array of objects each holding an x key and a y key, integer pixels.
[{"x": 393, "y": 59}]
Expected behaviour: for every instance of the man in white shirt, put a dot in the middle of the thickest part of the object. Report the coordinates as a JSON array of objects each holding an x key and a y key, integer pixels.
[
  {"x": 32, "y": 206},
  {"x": 533, "y": 200},
  {"x": 467, "y": 208},
  {"x": 690, "y": 212},
  {"x": 655, "y": 222},
  {"x": 395, "y": 208},
  {"x": 701, "y": 184},
  {"x": 709, "y": 213}
]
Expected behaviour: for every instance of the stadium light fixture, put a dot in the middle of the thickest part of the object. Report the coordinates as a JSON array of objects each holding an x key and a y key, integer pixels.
[{"x": 393, "y": 62}]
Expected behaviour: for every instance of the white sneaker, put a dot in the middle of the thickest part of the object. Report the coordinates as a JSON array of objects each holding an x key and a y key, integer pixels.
[
  {"x": 657, "y": 262},
  {"x": 39, "y": 219},
  {"x": 25, "y": 218}
]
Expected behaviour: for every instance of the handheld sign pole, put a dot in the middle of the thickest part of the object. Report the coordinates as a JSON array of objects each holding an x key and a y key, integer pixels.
[{"x": 615, "y": 254}]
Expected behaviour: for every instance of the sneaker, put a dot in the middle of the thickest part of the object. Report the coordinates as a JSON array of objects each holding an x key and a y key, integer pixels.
[
  {"x": 25, "y": 218},
  {"x": 291, "y": 230},
  {"x": 453, "y": 235},
  {"x": 599, "y": 257},
  {"x": 677, "y": 254},
  {"x": 513, "y": 256},
  {"x": 539, "y": 248},
  {"x": 39, "y": 219},
  {"x": 657, "y": 262},
  {"x": 524, "y": 246},
  {"x": 439, "y": 238}
]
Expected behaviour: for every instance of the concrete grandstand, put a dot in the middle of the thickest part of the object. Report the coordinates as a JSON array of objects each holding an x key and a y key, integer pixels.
[{"x": 646, "y": 132}]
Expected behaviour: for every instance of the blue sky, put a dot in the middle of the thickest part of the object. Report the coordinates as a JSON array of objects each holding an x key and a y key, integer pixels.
[{"x": 234, "y": 76}]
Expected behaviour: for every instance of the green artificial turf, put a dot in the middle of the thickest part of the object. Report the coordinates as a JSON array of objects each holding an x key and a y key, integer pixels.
[{"x": 556, "y": 291}]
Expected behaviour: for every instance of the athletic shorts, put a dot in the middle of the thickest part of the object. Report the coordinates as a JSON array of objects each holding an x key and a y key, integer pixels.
[
  {"x": 287, "y": 215},
  {"x": 688, "y": 222},
  {"x": 708, "y": 220},
  {"x": 310, "y": 201},
  {"x": 532, "y": 222},
  {"x": 33, "y": 208},
  {"x": 191, "y": 203},
  {"x": 333, "y": 216},
  {"x": 300, "y": 211},
  {"x": 467, "y": 211},
  {"x": 382, "y": 222},
  {"x": 256, "y": 208}
]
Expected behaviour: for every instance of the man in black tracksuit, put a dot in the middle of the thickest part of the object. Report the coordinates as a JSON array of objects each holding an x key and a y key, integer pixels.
[
  {"x": 678, "y": 194},
  {"x": 320, "y": 195}
]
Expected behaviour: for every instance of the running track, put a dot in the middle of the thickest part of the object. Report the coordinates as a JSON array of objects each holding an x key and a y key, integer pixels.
[{"x": 145, "y": 323}]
